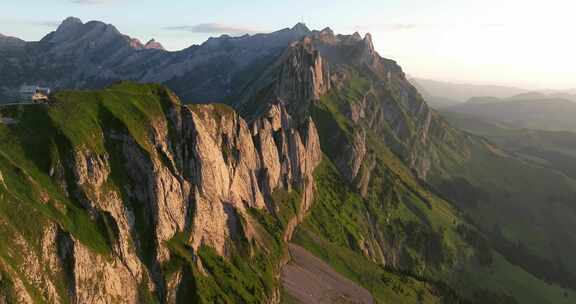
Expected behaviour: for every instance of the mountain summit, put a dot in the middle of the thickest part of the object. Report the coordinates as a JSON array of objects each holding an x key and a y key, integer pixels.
[
  {"x": 70, "y": 22},
  {"x": 300, "y": 28}
]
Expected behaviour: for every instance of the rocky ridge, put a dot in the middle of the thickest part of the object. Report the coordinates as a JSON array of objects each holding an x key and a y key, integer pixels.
[{"x": 95, "y": 54}]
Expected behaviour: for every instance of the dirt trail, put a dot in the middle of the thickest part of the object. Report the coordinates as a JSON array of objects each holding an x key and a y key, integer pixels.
[{"x": 307, "y": 279}]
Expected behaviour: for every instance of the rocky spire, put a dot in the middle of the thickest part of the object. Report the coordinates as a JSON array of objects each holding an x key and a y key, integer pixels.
[
  {"x": 67, "y": 29},
  {"x": 303, "y": 77},
  {"x": 368, "y": 43},
  {"x": 298, "y": 78}
]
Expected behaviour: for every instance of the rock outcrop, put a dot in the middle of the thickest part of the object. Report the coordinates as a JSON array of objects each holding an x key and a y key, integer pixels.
[
  {"x": 153, "y": 44},
  {"x": 299, "y": 77}
]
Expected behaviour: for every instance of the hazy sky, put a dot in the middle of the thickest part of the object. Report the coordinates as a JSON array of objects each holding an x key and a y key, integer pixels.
[{"x": 516, "y": 42}]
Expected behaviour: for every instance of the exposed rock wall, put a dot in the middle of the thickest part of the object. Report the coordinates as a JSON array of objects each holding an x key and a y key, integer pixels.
[
  {"x": 299, "y": 77},
  {"x": 200, "y": 170},
  {"x": 304, "y": 75}
]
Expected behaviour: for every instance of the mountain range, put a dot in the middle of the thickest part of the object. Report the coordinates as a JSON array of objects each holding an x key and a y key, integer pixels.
[
  {"x": 292, "y": 167},
  {"x": 96, "y": 54},
  {"x": 552, "y": 112},
  {"x": 441, "y": 94}
]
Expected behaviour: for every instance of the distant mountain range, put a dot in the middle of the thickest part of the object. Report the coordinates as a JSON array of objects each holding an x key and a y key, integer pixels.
[
  {"x": 553, "y": 112},
  {"x": 554, "y": 149},
  {"x": 96, "y": 54},
  {"x": 441, "y": 94}
]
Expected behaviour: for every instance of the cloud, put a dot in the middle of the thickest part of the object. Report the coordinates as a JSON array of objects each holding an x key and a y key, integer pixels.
[{"x": 212, "y": 28}]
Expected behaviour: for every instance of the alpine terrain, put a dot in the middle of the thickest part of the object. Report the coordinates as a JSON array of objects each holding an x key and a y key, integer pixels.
[{"x": 292, "y": 167}]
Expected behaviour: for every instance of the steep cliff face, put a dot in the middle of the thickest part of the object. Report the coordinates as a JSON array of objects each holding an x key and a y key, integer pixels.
[
  {"x": 373, "y": 93},
  {"x": 299, "y": 77},
  {"x": 185, "y": 179}
]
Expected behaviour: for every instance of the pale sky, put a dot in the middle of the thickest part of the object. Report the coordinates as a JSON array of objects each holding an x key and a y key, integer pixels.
[{"x": 530, "y": 44}]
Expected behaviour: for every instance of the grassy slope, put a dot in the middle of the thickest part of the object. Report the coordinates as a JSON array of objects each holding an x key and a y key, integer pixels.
[
  {"x": 551, "y": 149},
  {"x": 528, "y": 205},
  {"x": 398, "y": 204},
  {"x": 333, "y": 230}
]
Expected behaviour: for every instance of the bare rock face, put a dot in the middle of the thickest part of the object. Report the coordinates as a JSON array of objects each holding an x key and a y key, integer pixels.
[
  {"x": 303, "y": 76},
  {"x": 239, "y": 174},
  {"x": 100, "y": 280},
  {"x": 356, "y": 154},
  {"x": 200, "y": 170},
  {"x": 386, "y": 104},
  {"x": 2, "y": 182},
  {"x": 299, "y": 77}
]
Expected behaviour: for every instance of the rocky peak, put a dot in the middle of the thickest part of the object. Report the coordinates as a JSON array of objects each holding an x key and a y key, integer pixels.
[
  {"x": 299, "y": 77},
  {"x": 73, "y": 29},
  {"x": 309, "y": 70},
  {"x": 67, "y": 29},
  {"x": 153, "y": 44},
  {"x": 70, "y": 23},
  {"x": 300, "y": 28}
]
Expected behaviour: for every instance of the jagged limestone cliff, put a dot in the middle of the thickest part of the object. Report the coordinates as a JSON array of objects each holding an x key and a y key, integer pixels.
[{"x": 149, "y": 178}]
